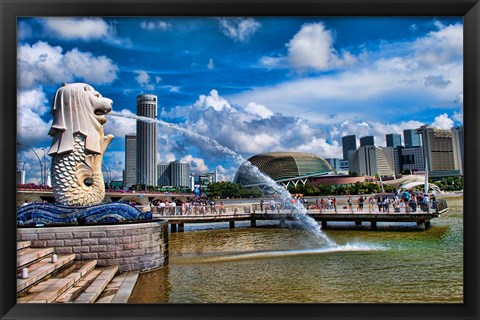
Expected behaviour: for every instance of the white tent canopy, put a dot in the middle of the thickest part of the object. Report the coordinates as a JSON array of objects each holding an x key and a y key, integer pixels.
[{"x": 410, "y": 182}]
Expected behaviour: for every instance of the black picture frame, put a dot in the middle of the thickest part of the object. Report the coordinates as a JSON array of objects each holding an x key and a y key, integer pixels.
[{"x": 10, "y": 10}]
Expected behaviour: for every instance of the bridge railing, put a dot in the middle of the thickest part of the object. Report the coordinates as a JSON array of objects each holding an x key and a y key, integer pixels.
[{"x": 202, "y": 210}]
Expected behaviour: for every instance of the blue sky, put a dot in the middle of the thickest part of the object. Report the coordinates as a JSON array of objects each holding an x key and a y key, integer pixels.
[{"x": 254, "y": 84}]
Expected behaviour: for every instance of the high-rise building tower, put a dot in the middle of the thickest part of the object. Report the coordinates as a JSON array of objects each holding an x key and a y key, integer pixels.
[
  {"x": 147, "y": 140},
  {"x": 366, "y": 141},
  {"x": 180, "y": 173},
  {"x": 438, "y": 150},
  {"x": 411, "y": 138},
  {"x": 371, "y": 160},
  {"x": 163, "y": 171},
  {"x": 130, "y": 173},
  {"x": 349, "y": 143},
  {"x": 393, "y": 140}
]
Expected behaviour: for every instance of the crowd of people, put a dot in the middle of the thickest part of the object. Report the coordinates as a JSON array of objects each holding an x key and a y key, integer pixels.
[{"x": 194, "y": 207}]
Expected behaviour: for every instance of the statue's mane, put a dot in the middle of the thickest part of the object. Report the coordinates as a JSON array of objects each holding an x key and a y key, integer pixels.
[{"x": 73, "y": 113}]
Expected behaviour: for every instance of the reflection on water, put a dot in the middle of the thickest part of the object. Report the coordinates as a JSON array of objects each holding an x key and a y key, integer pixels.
[{"x": 269, "y": 264}]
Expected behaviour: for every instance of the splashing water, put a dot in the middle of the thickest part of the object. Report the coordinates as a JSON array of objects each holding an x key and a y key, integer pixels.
[
  {"x": 274, "y": 254},
  {"x": 297, "y": 207}
]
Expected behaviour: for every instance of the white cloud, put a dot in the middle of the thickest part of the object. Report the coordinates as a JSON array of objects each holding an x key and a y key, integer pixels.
[
  {"x": 167, "y": 157},
  {"x": 312, "y": 49},
  {"x": 31, "y": 128},
  {"x": 93, "y": 69},
  {"x": 143, "y": 80},
  {"x": 197, "y": 165},
  {"x": 440, "y": 47},
  {"x": 155, "y": 25},
  {"x": 443, "y": 121},
  {"x": 371, "y": 85},
  {"x": 274, "y": 62},
  {"x": 320, "y": 146},
  {"x": 258, "y": 109},
  {"x": 78, "y": 28},
  {"x": 226, "y": 174},
  {"x": 239, "y": 29},
  {"x": 42, "y": 64},
  {"x": 119, "y": 126},
  {"x": 214, "y": 100},
  {"x": 246, "y": 130}
]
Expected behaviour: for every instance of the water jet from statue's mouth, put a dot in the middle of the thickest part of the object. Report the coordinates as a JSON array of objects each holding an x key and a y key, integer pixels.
[{"x": 100, "y": 114}]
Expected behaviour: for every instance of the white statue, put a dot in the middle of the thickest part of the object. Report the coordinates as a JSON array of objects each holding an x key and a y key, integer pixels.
[{"x": 78, "y": 144}]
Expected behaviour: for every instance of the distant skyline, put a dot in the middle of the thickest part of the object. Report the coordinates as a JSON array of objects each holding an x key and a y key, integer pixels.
[{"x": 255, "y": 85}]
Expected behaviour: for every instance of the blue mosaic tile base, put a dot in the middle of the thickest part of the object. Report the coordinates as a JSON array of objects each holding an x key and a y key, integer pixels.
[{"x": 38, "y": 214}]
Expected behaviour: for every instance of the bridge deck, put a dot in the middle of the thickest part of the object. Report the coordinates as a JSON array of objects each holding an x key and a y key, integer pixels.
[{"x": 419, "y": 217}]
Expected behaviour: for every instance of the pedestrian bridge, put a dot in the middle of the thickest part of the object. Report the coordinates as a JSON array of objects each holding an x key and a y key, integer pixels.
[{"x": 422, "y": 216}]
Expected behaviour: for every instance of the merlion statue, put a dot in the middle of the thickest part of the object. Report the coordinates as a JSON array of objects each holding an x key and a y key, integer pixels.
[{"x": 78, "y": 144}]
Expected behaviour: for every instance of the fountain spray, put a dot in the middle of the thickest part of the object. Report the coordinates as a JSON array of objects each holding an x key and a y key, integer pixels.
[{"x": 299, "y": 209}]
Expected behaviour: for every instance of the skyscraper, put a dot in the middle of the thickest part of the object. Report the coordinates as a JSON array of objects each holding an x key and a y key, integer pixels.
[
  {"x": 163, "y": 171},
  {"x": 349, "y": 143},
  {"x": 371, "y": 160},
  {"x": 366, "y": 141},
  {"x": 147, "y": 140},
  {"x": 179, "y": 173},
  {"x": 411, "y": 138},
  {"x": 438, "y": 150},
  {"x": 130, "y": 173},
  {"x": 393, "y": 140}
]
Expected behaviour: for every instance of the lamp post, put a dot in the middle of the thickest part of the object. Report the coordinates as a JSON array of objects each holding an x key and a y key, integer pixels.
[
  {"x": 109, "y": 174},
  {"x": 39, "y": 161},
  {"x": 44, "y": 167},
  {"x": 27, "y": 173}
]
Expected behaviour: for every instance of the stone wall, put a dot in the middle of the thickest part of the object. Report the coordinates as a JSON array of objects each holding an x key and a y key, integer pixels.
[{"x": 137, "y": 246}]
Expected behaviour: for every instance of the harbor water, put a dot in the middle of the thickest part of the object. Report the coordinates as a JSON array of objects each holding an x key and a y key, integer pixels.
[{"x": 290, "y": 264}]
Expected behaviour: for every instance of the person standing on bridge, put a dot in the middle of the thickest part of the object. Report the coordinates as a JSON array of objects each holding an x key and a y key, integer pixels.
[
  {"x": 405, "y": 199},
  {"x": 188, "y": 207},
  {"x": 272, "y": 205},
  {"x": 213, "y": 209},
  {"x": 161, "y": 207},
  {"x": 222, "y": 208},
  {"x": 426, "y": 203},
  {"x": 173, "y": 207}
]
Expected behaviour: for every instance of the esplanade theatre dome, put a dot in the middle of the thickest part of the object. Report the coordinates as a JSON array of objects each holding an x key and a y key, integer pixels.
[{"x": 282, "y": 167}]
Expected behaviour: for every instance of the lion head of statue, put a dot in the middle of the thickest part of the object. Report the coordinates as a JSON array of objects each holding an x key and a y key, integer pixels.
[{"x": 78, "y": 108}]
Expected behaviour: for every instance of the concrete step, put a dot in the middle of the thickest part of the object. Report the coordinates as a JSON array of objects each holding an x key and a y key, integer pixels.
[
  {"x": 96, "y": 287},
  {"x": 28, "y": 256},
  {"x": 80, "y": 286},
  {"x": 42, "y": 269},
  {"x": 50, "y": 290},
  {"x": 23, "y": 244},
  {"x": 120, "y": 288}
]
